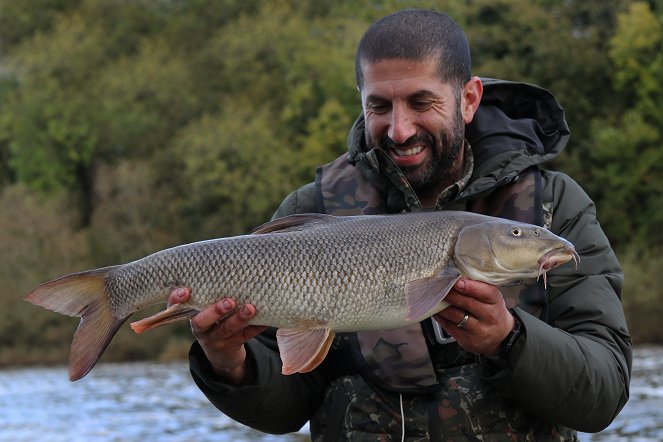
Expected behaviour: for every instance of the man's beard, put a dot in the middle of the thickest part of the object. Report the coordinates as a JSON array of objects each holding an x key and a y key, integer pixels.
[{"x": 439, "y": 166}]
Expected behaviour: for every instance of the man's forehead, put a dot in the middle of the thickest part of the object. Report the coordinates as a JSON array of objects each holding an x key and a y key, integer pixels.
[
  {"x": 402, "y": 77},
  {"x": 395, "y": 68}
]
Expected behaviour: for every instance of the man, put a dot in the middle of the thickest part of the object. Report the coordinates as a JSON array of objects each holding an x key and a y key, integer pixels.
[{"x": 431, "y": 138}]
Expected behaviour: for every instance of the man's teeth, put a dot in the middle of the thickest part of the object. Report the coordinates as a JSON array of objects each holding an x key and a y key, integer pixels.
[{"x": 409, "y": 151}]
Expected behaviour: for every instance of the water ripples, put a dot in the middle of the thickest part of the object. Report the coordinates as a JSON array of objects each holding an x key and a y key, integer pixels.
[{"x": 160, "y": 402}]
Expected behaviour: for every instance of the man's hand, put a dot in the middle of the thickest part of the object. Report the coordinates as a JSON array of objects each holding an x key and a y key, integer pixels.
[
  {"x": 222, "y": 330},
  {"x": 489, "y": 320}
]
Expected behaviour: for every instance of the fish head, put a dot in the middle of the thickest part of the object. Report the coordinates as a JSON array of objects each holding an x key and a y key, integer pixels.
[{"x": 503, "y": 252}]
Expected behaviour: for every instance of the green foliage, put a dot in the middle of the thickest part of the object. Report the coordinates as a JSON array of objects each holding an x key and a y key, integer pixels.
[
  {"x": 559, "y": 45},
  {"x": 643, "y": 298},
  {"x": 133, "y": 216},
  {"x": 295, "y": 62},
  {"x": 51, "y": 118},
  {"x": 324, "y": 137},
  {"x": 20, "y": 20},
  {"x": 228, "y": 170},
  {"x": 38, "y": 243},
  {"x": 626, "y": 172},
  {"x": 50, "y": 134},
  {"x": 141, "y": 100},
  {"x": 635, "y": 50},
  {"x": 127, "y": 126}
]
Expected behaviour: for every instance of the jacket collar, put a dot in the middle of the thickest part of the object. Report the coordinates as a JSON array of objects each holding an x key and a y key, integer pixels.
[{"x": 516, "y": 126}]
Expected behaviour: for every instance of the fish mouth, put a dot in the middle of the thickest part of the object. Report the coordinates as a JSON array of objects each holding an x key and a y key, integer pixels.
[{"x": 555, "y": 258}]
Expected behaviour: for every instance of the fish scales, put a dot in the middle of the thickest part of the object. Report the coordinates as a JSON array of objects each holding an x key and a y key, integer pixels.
[
  {"x": 308, "y": 275},
  {"x": 350, "y": 270}
]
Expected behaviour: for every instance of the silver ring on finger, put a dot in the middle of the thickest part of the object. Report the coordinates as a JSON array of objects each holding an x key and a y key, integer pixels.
[{"x": 463, "y": 322}]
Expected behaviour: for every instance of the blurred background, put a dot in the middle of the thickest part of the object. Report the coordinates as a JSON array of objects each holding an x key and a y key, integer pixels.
[{"x": 128, "y": 126}]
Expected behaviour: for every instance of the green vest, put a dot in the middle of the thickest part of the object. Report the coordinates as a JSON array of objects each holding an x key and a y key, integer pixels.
[
  {"x": 400, "y": 360},
  {"x": 407, "y": 381}
]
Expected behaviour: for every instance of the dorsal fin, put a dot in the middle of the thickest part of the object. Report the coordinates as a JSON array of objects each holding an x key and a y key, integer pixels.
[{"x": 290, "y": 223}]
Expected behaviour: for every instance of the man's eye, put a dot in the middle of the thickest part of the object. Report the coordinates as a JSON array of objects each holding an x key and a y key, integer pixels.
[
  {"x": 421, "y": 105},
  {"x": 379, "y": 108}
]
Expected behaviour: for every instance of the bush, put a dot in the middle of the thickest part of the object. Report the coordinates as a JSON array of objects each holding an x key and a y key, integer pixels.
[
  {"x": 39, "y": 243},
  {"x": 643, "y": 295}
]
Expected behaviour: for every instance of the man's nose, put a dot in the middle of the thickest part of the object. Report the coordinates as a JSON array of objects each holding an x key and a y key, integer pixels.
[{"x": 401, "y": 126}]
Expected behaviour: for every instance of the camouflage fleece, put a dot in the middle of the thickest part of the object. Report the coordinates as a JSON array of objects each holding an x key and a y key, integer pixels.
[
  {"x": 449, "y": 390},
  {"x": 569, "y": 369}
]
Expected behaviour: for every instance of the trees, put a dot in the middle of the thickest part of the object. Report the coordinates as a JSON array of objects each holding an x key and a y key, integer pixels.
[
  {"x": 627, "y": 172},
  {"x": 92, "y": 83},
  {"x": 52, "y": 118},
  {"x": 108, "y": 81},
  {"x": 146, "y": 123}
]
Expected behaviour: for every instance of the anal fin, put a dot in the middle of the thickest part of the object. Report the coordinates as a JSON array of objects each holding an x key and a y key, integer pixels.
[
  {"x": 175, "y": 312},
  {"x": 303, "y": 349}
]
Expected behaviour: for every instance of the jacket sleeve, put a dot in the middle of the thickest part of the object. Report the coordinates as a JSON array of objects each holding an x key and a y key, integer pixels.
[
  {"x": 269, "y": 402},
  {"x": 574, "y": 369}
]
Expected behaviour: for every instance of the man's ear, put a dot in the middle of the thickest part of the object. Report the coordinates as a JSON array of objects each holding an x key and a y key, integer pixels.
[{"x": 470, "y": 99}]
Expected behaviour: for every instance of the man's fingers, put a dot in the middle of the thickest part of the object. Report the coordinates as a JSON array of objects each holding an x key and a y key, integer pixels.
[
  {"x": 213, "y": 314},
  {"x": 224, "y": 324},
  {"x": 178, "y": 295},
  {"x": 481, "y": 291},
  {"x": 453, "y": 315},
  {"x": 234, "y": 326}
]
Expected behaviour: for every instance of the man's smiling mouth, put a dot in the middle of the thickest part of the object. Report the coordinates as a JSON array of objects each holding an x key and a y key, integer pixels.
[{"x": 409, "y": 151}]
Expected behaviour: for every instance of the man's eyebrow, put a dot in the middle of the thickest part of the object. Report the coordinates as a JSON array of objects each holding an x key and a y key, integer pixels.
[
  {"x": 374, "y": 97},
  {"x": 423, "y": 93}
]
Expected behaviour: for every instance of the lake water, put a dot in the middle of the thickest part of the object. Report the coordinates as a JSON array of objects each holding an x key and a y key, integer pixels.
[{"x": 160, "y": 402}]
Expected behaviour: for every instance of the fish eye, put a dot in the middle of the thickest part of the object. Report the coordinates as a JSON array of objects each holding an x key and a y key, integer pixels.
[{"x": 516, "y": 231}]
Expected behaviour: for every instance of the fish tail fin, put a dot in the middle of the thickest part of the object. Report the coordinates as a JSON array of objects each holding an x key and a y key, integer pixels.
[{"x": 82, "y": 295}]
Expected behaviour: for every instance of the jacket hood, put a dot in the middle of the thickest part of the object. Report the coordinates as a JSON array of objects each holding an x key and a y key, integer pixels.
[{"x": 516, "y": 126}]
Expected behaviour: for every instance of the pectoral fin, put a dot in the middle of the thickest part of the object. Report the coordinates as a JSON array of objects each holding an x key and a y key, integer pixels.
[
  {"x": 175, "y": 312},
  {"x": 303, "y": 349},
  {"x": 425, "y": 295}
]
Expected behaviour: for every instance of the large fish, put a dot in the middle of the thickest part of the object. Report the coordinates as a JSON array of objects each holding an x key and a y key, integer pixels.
[{"x": 309, "y": 276}]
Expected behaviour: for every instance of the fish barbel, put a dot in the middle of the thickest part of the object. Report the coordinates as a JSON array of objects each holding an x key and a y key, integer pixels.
[{"x": 309, "y": 275}]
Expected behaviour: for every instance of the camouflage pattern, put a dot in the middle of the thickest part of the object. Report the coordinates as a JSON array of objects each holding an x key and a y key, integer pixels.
[
  {"x": 346, "y": 194},
  {"x": 379, "y": 188},
  {"x": 341, "y": 404},
  {"x": 397, "y": 358},
  {"x": 466, "y": 409},
  {"x": 520, "y": 200},
  {"x": 450, "y": 398}
]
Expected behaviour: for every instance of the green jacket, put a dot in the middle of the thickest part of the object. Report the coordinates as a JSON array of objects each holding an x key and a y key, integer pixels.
[{"x": 569, "y": 371}]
